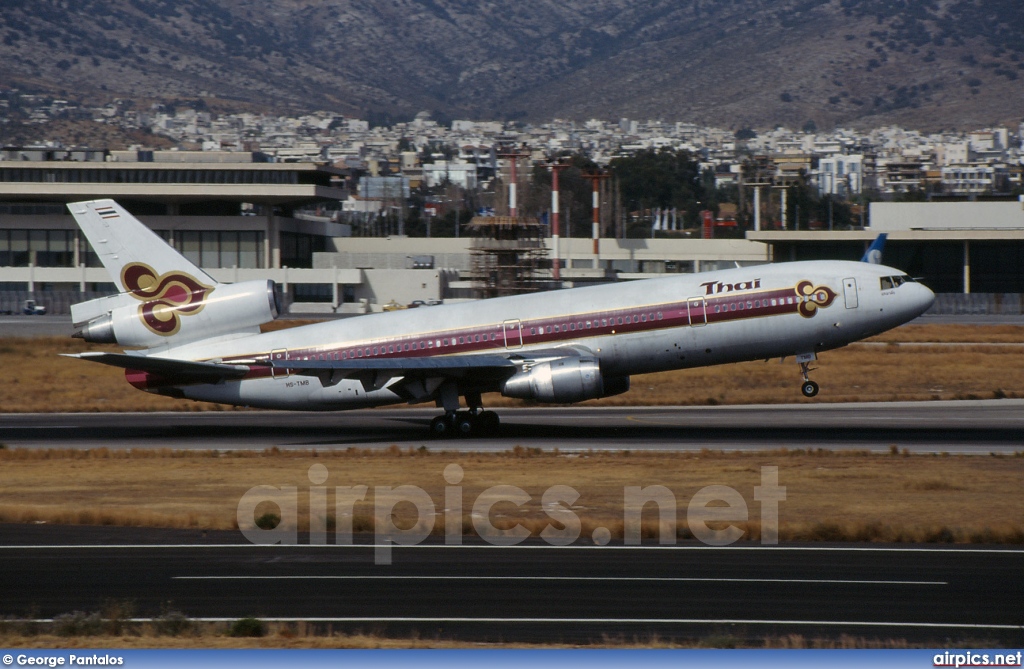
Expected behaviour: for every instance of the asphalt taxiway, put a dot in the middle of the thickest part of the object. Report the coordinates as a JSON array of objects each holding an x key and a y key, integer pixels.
[
  {"x": 968, "y": 427},
  {"x": 530, "y": 592}
]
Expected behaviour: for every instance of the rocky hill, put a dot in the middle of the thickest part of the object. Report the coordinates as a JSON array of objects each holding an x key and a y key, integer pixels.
[{"x": 920, "y": 63}]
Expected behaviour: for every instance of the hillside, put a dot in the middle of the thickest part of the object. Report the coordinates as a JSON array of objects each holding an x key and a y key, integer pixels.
[{"x": 920, "y": 63}]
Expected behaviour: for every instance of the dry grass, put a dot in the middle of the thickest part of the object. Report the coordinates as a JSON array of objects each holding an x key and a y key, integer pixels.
[
  {"x": 39, "y": 380},
  {"x": 829, "y": 495},
  {"x": 305, "y": 635}
]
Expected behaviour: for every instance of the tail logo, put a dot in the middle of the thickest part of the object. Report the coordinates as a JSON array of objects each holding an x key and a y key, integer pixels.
[
  {"x": 165, "y": 298},
  {"x": 810, "y": 298}
]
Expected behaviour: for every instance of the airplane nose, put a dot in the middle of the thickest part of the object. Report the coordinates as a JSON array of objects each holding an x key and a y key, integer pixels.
[{"x": 924, "y": 298}]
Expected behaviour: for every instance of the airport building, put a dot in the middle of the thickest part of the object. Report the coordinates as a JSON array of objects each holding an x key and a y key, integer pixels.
[
  {"x": 229, "y": 212},
  {"x": 241, "y": 217},
  {"x": 954, "y": 247}
]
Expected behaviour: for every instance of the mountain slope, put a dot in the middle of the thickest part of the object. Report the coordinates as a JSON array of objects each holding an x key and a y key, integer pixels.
[{"x": 937, "y": 63}]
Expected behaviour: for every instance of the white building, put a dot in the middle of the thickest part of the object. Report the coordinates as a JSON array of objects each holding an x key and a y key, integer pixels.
[
  {"x": 953, "y": 153},
  {"x": 974, "y": 178},
  {"x": 841, "y": 174},
  {"x": 460, "y": 174}
]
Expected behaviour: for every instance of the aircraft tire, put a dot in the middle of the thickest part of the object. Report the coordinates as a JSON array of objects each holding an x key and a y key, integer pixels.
[
  {"x": 466, "y": 425},
  {"x": 809, "y": 389},
  {"x": 440, "y": 427},
  {"x": 488, "y": 422}
]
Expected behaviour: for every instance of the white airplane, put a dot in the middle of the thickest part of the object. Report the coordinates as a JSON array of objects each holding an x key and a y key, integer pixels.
[{"x": 201, "y": 339}]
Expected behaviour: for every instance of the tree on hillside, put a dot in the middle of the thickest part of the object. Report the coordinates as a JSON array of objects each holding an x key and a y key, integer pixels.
[{"x": 663, "y": 179}]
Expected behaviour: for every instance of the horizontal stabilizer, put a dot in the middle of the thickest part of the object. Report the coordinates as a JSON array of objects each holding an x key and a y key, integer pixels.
[{"x": 179, "y": 371}]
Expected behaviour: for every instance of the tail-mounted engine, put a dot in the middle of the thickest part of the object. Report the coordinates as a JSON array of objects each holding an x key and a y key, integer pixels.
[
  {"x": 182, "y": 312},
  {"x": 563, "y": 381}
]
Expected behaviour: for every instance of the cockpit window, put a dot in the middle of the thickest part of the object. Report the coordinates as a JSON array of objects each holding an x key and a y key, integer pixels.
[{"x": 890, "y": 282}]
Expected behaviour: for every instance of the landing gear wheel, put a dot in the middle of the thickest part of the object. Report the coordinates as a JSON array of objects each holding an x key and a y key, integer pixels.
[
  {"x": 440, "y": 427},
  {"x": 465, "y": 424},
  {"x": 809, "y": 388},
  {"x": 487, "y": 422}
]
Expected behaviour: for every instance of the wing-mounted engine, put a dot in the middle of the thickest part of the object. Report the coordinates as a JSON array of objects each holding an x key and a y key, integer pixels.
[
  {"x": 180, "y": 308},
  {"x": 563, "y": 381}
]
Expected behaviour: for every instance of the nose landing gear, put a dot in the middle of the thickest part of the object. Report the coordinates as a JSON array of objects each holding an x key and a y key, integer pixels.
[{"x": 808, "y": 388}]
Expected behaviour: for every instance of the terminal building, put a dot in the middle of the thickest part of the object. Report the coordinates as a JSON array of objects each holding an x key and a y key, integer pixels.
[
  {"x": 230, "y": 213},
  {"x": 954, "y": 247}
]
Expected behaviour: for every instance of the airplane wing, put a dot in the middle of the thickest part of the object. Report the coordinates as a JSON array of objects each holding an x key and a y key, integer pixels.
[
  {"x": 377, "y": 373},
  {"x": 175, "y": 371}
]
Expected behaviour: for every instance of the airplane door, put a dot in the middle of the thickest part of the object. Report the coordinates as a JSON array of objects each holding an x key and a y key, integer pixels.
[
  {"x": 513, "y": 333},
  {"x": 276, "y": 355},
  {"x": 850, "y": 293},
  {"x": 697, "y": 308}
]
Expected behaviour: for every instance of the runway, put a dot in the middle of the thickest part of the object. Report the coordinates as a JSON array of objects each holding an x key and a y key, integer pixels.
[
  {"x": 532, "y": 592},
  {"x": 967, "y": 427}
]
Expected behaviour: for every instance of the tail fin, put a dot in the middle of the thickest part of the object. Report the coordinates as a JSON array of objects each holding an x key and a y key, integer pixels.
[
  {"x": 874, "y": 253},
  {"x": 121, "y": 241},
  {"x": 165, "y": 300}
]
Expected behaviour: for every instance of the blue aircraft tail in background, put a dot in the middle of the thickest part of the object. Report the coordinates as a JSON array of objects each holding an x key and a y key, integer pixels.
[{"x": 874, "y": 253}]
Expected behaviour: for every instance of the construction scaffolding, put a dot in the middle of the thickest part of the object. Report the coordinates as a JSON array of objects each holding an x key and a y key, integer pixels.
[{"x": 509, "y": 255}]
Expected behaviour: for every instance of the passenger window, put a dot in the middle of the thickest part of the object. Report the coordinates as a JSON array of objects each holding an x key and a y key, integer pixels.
[
  {"x": 750, "y": 305},
  {"x": 604, "y": 322},
  {"x": 619, "y": 319},
  {"x": 732, "y": 307},
  {"x": 659, "y": 316},
  {"x": 643, "y": 318},
  {"x": 718, "y": 308}
]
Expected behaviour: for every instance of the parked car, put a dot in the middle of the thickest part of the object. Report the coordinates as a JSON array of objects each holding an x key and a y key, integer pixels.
[
  {"x": 417, "y": 303},
  {"x": 393, "y": 306},
  {"x": 33, "y": 309}
]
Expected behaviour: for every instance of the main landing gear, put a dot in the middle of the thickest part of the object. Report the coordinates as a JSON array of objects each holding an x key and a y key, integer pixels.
[
  {"x": 465, "y": 424},
  {"x": 808, "y": 388},
  {"x": 454, "y": 423}
]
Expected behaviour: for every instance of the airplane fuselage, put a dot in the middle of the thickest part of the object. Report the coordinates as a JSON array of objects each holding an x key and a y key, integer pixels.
[{"x": 681, "y": 321}]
